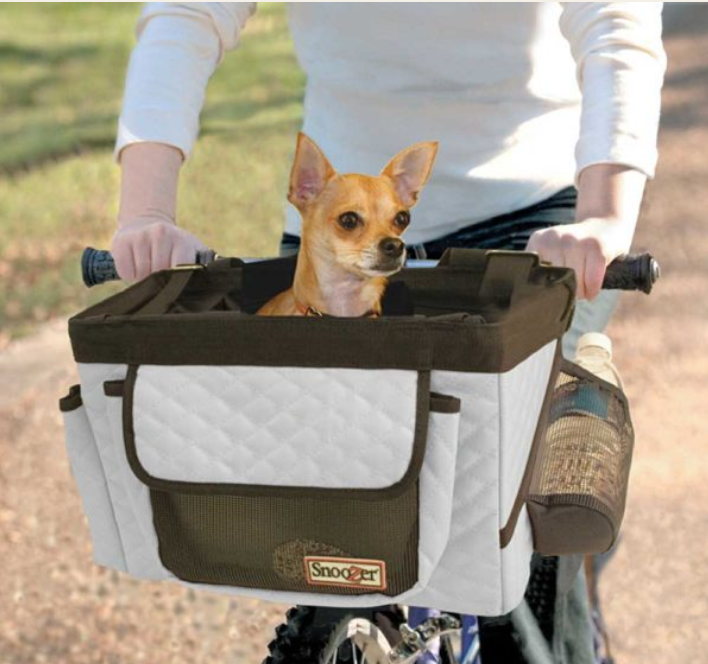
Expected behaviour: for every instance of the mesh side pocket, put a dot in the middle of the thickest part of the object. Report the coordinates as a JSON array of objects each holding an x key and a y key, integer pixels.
[{"x": 579, "y": 485}]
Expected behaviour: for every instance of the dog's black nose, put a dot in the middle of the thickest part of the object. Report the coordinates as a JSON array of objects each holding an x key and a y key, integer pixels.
[{"x": 391, "y": 247}]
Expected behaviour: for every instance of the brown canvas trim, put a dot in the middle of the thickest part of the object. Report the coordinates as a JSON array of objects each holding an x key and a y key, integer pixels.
[
  {"x": 497, "y": 300},
  {"x": 444, "y": 403},
  {"x": 113, "y": 388},
  {"x": 573, "y": 500},
  {"x": 229, "y": 338},
  {"x": 216, "y": 488},
  {"x": 507, "y": 532},
  {"x": 572, "y": 524},
  {"x": 573, "y": 369},
  {"x": 221, "y": 338},
  {"x": 72, "y": 400}
]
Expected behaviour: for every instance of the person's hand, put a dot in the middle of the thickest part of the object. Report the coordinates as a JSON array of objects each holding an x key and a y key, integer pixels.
[
  {"x": 606, "y": 214},
  {"x": 146, "y": 245},
  {"x": 588, "y": 247},
  {"x": 147, "y": 238}
]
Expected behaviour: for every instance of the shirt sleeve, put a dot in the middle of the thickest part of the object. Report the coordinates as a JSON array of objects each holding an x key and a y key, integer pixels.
[
  {"x": 179, "y": 47},
  {"x": 620, "y": 63}
]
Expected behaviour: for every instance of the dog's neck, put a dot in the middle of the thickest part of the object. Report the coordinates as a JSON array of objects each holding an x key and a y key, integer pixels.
[{"x": 324, "y": 286}]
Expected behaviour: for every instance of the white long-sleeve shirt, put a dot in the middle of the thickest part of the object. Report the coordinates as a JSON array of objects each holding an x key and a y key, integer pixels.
[{"x": 497, "y": 84}]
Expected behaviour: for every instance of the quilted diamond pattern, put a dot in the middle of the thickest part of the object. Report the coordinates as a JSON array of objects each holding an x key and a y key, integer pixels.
[
  {"x": 437, "y": 481},
  {"x": 474, "y": 575},
  {"x": 468, "y": 573},
  {"x": 137, "y": 495},
  {"x": 91, "y": 482},
  {"x": 338, "y": 428},
  {"x": 521, "y": 393},
  {"x": 260, "y": 406},
  {"x": 139, "y": 555}
]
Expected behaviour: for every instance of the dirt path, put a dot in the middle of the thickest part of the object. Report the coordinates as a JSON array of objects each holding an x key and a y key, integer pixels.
[
  {"x": 656, "y": 589},
  {"x": 55, "y": 606}
]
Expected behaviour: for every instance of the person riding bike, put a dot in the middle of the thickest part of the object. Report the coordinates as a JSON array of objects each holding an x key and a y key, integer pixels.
[{"x": 546, "y": 115}]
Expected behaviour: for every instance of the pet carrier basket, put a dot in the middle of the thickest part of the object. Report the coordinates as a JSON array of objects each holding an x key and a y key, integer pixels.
[{"x": 339, "y": 461}]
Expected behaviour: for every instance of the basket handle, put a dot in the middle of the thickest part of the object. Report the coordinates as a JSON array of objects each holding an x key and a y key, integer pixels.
[{"x": 176, "y": 283}]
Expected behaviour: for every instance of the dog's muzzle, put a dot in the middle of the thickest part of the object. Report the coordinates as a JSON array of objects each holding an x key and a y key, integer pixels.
[
  {"x": 391, "y": 247},
  {"x": 391, "y": 255}
]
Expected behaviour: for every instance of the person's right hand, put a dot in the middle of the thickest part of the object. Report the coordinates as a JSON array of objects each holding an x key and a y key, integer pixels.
[{"x": 146, "y": 245}]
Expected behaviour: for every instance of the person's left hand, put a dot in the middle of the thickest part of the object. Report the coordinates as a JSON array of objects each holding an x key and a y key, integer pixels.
[{"x": 587, "y": 246}]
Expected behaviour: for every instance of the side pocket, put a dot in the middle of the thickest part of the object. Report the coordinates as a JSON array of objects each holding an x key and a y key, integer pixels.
[
  {"x": 437, "y": 482},
  {"x": 88, "y": 474},
  {"x": 579, "y": 487},
  {"x": 134, "y": 514}
]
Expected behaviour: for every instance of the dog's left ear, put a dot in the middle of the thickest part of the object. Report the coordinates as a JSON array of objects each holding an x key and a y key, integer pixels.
[{"x": 410, "y": 169}]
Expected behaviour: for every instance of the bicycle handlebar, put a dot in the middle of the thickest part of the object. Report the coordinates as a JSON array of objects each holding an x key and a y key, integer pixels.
[
  {"x": 630, "y": 272},
  {"x": 98, "y": 267}
]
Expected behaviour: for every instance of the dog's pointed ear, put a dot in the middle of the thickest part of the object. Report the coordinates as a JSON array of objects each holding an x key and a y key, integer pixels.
[
  {"x": 410, "y": 169},
  {"x": 310, "y": 173}
]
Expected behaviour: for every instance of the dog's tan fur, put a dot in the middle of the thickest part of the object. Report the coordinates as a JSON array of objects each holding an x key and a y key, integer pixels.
[{"x": 341, "y": 272}]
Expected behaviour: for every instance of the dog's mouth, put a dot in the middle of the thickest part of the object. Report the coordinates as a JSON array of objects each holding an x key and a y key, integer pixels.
[{"x": 382, "y": 268}]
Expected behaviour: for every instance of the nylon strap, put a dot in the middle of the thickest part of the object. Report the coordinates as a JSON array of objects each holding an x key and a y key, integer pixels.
[{"x": 176, "y": 283}]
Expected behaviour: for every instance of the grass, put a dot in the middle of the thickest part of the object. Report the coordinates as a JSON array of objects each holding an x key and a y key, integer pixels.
[{"x": 61, "y": 74}]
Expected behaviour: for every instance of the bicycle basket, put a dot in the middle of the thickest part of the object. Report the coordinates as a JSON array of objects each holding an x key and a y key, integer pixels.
[{"x": 321, "y": 461}]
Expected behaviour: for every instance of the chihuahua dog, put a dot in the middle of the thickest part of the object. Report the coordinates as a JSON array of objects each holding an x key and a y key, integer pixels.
[{"x": 351, "y": 228}]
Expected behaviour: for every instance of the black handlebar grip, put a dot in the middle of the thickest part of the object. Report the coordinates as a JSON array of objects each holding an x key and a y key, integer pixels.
[
  {"x": 97, "y": 266},
  {"x": 632, "y": 272}
]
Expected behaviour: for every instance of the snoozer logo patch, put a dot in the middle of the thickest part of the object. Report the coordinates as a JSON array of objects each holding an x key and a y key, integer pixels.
[{"x": 345, "y": 572}]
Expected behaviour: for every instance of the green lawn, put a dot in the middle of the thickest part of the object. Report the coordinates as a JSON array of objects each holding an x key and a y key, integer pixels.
[{"x": 61, "y": 73}]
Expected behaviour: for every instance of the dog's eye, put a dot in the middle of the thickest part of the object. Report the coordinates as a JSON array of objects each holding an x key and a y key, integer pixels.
[
  {"x": 349, "y": 220},
  {"x": 403, "y": 218}
]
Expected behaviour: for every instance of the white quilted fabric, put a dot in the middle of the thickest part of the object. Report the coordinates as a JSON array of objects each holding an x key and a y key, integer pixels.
[
  {"x": 515, "y": 561},
  {"x": 461, "y": 565},
  {"x": 140, "y": 556},
  {"x": 287, "y": 426},
  {"x": 474, "y": 575},
  {"x": 521, "y": 394},
  {"x": 147, "y": 564},
  {"x": 468, "y": 573},
  {"x": 437, "y": 481},
  {"x": 91, "y": 482}
]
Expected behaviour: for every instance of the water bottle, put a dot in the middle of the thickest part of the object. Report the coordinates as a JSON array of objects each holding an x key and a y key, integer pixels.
[
  {"x": 584, "y": 451},
  {"x": 595, "y": 354}
]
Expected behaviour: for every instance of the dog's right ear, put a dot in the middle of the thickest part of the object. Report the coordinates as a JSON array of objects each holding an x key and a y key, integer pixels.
[{"x": 310, "y": 173}]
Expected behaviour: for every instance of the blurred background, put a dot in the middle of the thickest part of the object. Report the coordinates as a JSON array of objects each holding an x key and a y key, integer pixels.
[
  {"x": 61, "y": 72},
  {"x": 62, "y": 68}
]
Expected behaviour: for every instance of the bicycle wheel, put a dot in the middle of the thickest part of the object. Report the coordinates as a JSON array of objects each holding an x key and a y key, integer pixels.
[
  {"x": 356, "y": 641},
  {"x": 310, "y": 632},
  {"x": 360, "y": 641}
]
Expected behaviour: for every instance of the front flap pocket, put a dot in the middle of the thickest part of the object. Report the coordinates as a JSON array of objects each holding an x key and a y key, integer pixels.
[
  {"x": 284, "y": 478},
  {"x": 297, "y": 431},
  {"x": 579, "y": 486}
]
